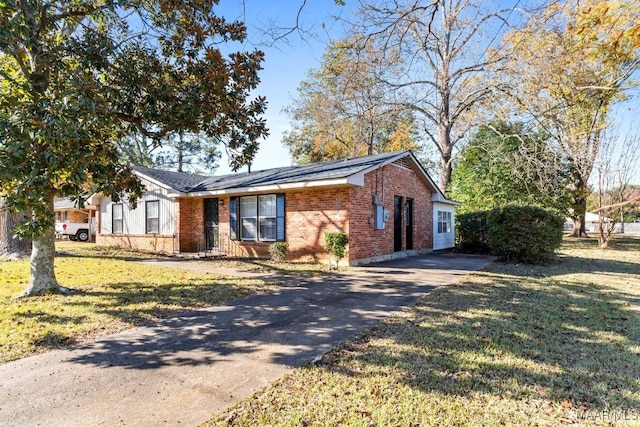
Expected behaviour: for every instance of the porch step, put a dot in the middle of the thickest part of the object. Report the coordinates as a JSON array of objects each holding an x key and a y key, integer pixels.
[{"x": 197, "y": 255}]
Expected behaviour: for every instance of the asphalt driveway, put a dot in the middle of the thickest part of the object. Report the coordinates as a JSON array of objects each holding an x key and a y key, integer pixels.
[{"x": 182, "y": 370}]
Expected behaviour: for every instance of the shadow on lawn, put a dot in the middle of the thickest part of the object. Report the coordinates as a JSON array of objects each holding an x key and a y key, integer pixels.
[
  {"x": 289, "y": 326},
  {"x": 516, "y": 337}
]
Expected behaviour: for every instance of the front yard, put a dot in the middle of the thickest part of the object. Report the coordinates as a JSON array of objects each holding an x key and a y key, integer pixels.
[
  {"x": 112, "y": 293},
  {"x": 515, "y": 345}
]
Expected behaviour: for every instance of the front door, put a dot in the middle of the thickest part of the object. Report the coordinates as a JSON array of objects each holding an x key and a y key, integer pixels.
[
  {"x": 408, "y": 223},
  {"x": 397, "y": 223},
  {"x": 212, "y": 238}
]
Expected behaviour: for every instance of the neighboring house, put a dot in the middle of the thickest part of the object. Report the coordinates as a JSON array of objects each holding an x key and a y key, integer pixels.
[
  {"x": 67, "y": 211},
  {"x": 387, "y": 204},
  {"x": 591, "y": 221}
]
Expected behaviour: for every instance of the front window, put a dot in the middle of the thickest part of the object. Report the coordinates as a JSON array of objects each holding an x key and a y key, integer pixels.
[
  {"x": 267, "y": 218},
  {"x": 258, "y": 218},
  {"x": 248, "y": 218},
  {"x": 153, "y": 217},
  {"x": 116, "y": 218},
  {"x": 444, "y": 222}
]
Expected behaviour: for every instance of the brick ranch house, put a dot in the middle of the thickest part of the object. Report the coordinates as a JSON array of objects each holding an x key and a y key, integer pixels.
[{"x": 387, "y": 204}]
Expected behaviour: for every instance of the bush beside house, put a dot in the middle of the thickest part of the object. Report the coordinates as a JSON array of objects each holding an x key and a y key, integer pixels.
[{"x": 518, "y": 233}]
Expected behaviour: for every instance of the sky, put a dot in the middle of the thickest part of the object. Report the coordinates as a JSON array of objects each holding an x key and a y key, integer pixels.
[{"x": 288, "y": 62}]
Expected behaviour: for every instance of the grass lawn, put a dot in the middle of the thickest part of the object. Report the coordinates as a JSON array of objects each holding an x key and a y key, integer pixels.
[
  {"x": 112, "y": 294},
  {"x": 550, "y": 345}
]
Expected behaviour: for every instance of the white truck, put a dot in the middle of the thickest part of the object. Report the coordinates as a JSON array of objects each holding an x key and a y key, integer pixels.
[{"x": 74, "y": 230}]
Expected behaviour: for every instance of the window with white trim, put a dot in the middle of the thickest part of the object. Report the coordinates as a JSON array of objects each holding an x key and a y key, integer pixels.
[
  {"x": 444, "y": 222},
  {"x": 152, "y": 216},
  {"x": 116, "y": 218},
  {"x": 257, "y": 218},
  {"x": 248, "y": 217},
  {"x": 267, "y": 218}
]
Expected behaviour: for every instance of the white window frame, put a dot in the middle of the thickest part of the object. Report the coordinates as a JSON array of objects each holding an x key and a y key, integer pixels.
[
  {"x": 248, "y": 221},
  {"x": 255, "y": 222},
  {"x": 444, "y": 222},
  {"x": 267, "y": 220},
  {"x": 114, "y": 219},
  {"x": 147, "y": 227}
]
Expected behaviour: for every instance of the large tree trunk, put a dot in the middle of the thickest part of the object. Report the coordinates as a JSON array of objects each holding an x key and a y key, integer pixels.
[
  {"x": 445, "y": 166},
  {"x": 10, "y": 244},
  {"x": 43, "y": 277},
  {"x": 579, "y": 206}
]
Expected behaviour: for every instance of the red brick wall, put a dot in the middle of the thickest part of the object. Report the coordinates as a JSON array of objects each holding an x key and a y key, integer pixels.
[
  {"x": 311, "y": 212},
  {"x": 309, "y": 215},
  {"x": 391, "y": 180},
  {"x": 190, "y": 224}
]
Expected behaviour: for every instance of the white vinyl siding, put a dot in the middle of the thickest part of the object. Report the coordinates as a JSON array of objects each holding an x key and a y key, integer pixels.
[
  {"x": 134, "y": 221},
  {"x": 443, "y": 226}
]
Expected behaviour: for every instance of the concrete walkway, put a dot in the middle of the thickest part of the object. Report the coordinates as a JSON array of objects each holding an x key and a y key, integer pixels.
[{"x": 183, "y": 370}]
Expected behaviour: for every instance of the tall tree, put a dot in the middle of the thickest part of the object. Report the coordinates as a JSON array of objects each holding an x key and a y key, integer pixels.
[
  {"x": 178, "y": 151},
  {"x": 613, "y": 169},
  {"x": 568, "y": 66},
  {"x": 341, "y": 109},
  {"x": 76, "y": 77},
  {"x": 508, "y": 163},
  {"x": 11, "y": 244},
  {"x": 439, "y": 53}
]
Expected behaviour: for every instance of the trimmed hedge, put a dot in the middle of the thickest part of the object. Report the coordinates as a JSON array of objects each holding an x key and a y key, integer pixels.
[
  {"x": 336, "y": 244},
  {"x": 278, "y": 251},
  {"x": 524, "y": 233},
  {"x": 518, "y": 233},
  {"x": 471, "y": 232}
]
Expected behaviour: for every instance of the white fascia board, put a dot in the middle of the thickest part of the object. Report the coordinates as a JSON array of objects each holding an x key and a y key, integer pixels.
[
  {"x": 439, "y": 198},
  {"x": 354, "y": 180}
]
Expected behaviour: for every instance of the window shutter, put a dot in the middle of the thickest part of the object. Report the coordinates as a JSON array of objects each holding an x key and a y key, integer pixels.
[
  {"x": 233, "y": 218},
  {"x": 280, "y": 217}
]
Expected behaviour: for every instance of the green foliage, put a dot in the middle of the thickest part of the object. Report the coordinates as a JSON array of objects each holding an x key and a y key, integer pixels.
[
  {"x": 507, "y": 163},
  {"x": 472, "y": 233},
  {"x": 75, "y": 79},
  {"x": 335, "y": 243},
  {"x": 278, "y": 251},
  {"x": 524, "y": 233}
]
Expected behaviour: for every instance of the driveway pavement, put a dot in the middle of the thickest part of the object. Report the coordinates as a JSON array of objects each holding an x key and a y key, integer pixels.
[{"x": 186, "y": 368}]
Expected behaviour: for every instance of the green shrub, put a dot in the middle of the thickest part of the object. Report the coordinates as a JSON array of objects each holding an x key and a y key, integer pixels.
[
  {"x": 278, "y": 251},
  {"x": 472, "y": 235},
  {"x": 335, "y": 244},
  {"x": 524, "y": 233}
]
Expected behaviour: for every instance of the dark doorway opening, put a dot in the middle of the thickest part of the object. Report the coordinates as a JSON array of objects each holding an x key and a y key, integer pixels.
[
  {"x": 397, "y": 223},
  {"x": 408, "y": 221},
  {"x": 211, "y": 224}
]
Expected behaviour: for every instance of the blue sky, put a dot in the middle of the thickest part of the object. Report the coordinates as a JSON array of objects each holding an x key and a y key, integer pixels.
[{"x": 286, "y": 64}]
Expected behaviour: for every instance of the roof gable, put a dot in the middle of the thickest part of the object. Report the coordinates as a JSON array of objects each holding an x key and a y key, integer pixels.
[{"x": 179, "y": 181}]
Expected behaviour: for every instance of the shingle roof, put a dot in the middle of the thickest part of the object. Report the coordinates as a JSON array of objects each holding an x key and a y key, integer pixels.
[
  {"x": 303, "y": 173},
  {"x": 323, "y": 171},
  {"x": 180, "y": 181}
]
